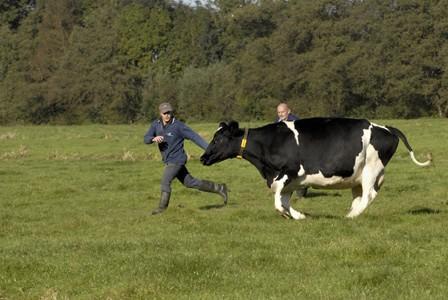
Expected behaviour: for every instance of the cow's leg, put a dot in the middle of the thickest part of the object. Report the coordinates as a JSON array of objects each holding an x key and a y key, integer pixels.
[
  {"x": 372, "y": 179},
  {"x": 277, "y": 187},
  {"x": 361, "y": 203},
  {"x": 378, "y": 183},
  {"x": 357, "y": 194},
  {"x": 278, "y": 204},
  {"x": 288, "y": 211},
  {"x": 281, "y": 200}
]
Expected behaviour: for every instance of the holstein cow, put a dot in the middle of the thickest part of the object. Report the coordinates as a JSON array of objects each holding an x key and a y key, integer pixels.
[{"x": 333, "y": 153}]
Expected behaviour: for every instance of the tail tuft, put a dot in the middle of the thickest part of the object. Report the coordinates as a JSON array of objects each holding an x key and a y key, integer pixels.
[{"x": 421, "y": 164}]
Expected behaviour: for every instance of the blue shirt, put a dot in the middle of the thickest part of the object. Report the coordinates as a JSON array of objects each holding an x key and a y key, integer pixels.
[
  {"x": 174, "y": 134},
  {"x": 290, "y": 117}
]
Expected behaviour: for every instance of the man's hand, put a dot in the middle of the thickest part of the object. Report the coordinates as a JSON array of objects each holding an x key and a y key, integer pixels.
[{"x": 158, "y": 139}]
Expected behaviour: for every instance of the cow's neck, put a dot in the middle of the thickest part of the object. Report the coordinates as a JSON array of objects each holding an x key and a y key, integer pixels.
[{"x": 255, "y": 153}]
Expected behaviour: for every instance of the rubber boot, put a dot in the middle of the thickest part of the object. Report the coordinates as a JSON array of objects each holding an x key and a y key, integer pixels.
[
  {"x": 163, "y": 205},
  {"x": 217, "y": 188}
]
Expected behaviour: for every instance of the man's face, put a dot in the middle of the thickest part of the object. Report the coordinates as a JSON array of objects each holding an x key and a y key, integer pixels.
[
  {"x": 166, "y": 116},
  {"x": 282, "y": 112}
]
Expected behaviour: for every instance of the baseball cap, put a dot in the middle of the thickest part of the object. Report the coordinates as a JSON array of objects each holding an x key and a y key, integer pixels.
[{"x": 165, "y": 107}]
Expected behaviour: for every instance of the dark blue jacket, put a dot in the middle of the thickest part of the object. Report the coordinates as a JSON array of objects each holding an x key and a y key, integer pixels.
[
  {"x": 291, "y": 117},
  {"x": 174, "y": 133}
]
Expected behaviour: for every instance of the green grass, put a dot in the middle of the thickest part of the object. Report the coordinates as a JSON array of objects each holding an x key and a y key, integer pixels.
[{"x": 75, "y": 223}]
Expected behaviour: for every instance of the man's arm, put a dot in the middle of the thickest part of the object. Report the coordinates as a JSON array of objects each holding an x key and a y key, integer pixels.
[
  {"x": 150, "y": 134},
  {"x": 189, "y": 134}
]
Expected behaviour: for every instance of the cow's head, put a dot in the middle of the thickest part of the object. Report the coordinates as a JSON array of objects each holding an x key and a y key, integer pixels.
[{"x": 225, "y": 144}]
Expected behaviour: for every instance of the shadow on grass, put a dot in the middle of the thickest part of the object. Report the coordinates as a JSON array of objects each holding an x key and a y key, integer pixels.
[
  {"x": 423, "y": 211},
  {"x": 323, "y": 216},
  {"x": 215, "y": 206},
  {"x": 315, "y": 194},
  {"x": 413, "y": 211}
]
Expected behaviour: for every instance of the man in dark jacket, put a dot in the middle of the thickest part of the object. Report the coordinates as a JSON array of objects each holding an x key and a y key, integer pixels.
[{"x": 170, "y": 134}]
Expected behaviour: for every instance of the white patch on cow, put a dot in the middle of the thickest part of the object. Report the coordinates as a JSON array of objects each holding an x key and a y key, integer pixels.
[
  {"x": 277, "y": 187},
  {"x": 373, "y": 160},
  {"x": 380, "y": 126},
  {"x": 301, "y": 171},
  {"x": 218, "y": 129},
  {"x": 321, "y": 182},
  {"x": 357, "y": 194},
  {"x": 291, "y": 126},
  {"x": 278, "y": 184}
]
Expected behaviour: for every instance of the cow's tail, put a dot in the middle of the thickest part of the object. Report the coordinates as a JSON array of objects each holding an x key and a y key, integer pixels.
[{"x": 401, "y": 135}]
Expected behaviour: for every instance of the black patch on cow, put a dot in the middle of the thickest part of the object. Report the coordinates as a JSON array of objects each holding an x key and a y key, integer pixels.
[
  {"x": 273, "y": 151},
  {"x": 330, "y": 145},
  {"x": 384, "y": 142}
]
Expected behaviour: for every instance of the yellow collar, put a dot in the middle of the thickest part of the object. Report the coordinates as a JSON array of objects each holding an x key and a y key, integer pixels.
[{"x": 243, "y": 143}]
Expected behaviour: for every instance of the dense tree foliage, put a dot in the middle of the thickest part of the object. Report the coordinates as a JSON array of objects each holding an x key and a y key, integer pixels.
[{"x": 113, "y": 61}]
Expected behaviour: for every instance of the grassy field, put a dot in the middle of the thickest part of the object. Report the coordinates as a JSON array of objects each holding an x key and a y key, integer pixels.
[{"x": 75, "y": 224}]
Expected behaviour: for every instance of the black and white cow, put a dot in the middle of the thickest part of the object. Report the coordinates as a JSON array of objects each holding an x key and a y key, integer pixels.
[{"x": 334, "y": 153}]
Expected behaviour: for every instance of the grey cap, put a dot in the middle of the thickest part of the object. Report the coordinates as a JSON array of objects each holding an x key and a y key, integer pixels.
[{"x": 165, "y": 107}]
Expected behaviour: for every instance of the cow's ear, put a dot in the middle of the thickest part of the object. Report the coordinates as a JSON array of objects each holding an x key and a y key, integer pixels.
[{"x": 234, "y": 126}]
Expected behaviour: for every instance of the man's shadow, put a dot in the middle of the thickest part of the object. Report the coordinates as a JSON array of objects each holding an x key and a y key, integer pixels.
[{"x": 216, "y": 206}]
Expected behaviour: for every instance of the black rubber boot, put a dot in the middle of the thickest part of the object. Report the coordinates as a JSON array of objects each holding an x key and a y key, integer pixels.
[
  {"x": 217, "y": 188},
  {"x": 163, "y": 205}
]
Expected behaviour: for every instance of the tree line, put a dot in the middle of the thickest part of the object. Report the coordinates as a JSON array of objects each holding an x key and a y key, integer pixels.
[{"x": 113, "y": 61}]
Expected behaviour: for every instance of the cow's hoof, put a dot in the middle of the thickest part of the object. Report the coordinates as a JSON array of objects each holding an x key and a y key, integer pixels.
[
  {"x": 284, "y": 214},
  {"x": 351, "y": 215},
  {"x": 297, "y": 216}
]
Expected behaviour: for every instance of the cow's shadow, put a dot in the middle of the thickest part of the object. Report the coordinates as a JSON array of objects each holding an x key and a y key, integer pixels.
[
  {"x": 316, "y": 194},
  {"x": 322, "y": 216},
  {"x": 310, "y": 194},
  {"x": 423, "y": 211}
]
